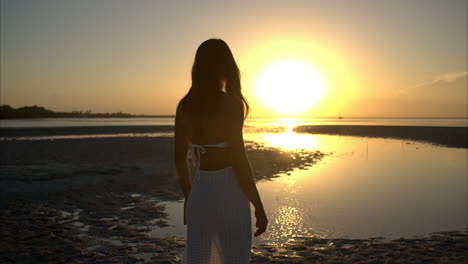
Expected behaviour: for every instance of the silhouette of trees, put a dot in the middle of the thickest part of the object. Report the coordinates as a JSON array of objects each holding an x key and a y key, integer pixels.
[
  {"x": 8, "y": 112},
  {"x": 35, "y": 111}
]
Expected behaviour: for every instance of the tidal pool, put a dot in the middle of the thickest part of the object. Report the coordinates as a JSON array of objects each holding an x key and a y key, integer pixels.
[{"x": 365, "y": 187}]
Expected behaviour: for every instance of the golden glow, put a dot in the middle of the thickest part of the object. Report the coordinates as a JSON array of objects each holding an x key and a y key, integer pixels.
[
  {"x": 280, "y": 62},
  {"x": 288, "y": 221},
  {"x": 289, "y": 124},
  {"x": 290, "y": 140},
  {"x": 289, "y": 87}
]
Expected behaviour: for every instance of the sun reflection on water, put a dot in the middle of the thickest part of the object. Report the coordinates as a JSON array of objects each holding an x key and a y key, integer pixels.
[
  {"x": 289, "y": 217},
  {"x": 289, "y": 220},
  {"x": 289, "y": 140},
  {"x": 289, "y": 183}
]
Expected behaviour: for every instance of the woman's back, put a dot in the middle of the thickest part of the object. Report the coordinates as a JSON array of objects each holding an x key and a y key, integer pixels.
[
  {"x": 218, "y": 212},
  {"x": 220, "y": 188},
  {"x": 210, "y": 129}
]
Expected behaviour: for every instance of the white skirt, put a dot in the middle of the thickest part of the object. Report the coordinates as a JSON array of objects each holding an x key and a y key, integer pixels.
[{"x": 218, "y": 220}]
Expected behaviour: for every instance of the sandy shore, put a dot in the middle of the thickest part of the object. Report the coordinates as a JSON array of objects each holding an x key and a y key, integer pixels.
[
  {"x": 91, "y": 200},
  {"x": 442, "y": 247},
  {"x": 85, "y": 130},
  {"x": 446, "y": 136}
]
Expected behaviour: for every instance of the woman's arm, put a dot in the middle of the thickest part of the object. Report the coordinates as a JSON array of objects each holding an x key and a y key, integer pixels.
[
  {"x": 241, "y": 164},
  {"x": 180, "y": 153}
]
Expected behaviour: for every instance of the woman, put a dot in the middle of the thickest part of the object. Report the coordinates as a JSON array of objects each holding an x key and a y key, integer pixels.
[{"x": 219, "y": 189}]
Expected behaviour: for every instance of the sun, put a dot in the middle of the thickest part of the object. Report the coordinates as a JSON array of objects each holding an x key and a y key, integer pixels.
[{"x": 289, "y": 87}]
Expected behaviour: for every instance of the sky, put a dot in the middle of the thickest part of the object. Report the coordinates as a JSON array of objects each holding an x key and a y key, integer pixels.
[{"x": 374, "y": 58}]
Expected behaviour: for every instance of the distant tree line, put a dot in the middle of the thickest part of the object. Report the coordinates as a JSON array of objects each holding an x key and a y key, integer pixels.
[{"x": 8, "y": 112}]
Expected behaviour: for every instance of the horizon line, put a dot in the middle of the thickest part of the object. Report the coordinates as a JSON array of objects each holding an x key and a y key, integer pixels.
[{"x": 142, "y": 115}]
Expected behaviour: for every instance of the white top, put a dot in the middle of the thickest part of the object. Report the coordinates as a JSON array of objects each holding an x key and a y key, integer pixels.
[{"x": 195, "y": 150}]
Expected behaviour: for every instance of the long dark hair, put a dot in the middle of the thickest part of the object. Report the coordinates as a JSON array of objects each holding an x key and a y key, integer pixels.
[{"x": 214, "y": 63}]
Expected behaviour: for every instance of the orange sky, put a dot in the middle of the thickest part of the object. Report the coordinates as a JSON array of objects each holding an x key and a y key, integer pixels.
[{"x": 374, "y": 58}]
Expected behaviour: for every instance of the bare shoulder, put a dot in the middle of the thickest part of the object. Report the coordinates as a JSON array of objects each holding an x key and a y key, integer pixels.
[{"x": 180, "y": 105}]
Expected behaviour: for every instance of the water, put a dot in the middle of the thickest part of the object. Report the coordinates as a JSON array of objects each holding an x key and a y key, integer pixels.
[
  {"x": 88, "y": 136},
  {"x": 71, "y": 122},
  {"x": 78, "y": 122},
  {"x": 450, "y": 122},
  {"x": 366, "y": 187}
]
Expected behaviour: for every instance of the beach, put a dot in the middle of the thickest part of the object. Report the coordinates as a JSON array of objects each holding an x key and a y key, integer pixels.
[
  {"x": 90, "y": 194},
  {"x": 446, "y": 136},
  {"x": 354, "y": 119}
]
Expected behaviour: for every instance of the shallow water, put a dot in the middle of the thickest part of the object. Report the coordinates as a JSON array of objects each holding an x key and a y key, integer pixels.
[
  {"x": 366, "y": 187},
  {"x": 87, "y": 136},
  {"x": 253, "y": 121}
]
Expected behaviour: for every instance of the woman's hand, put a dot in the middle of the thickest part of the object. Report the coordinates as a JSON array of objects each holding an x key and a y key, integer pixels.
[{"x": 262, "y": 221}]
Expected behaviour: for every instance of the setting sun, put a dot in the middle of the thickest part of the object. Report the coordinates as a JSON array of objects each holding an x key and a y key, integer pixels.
[{"x": 289, "y": 87}]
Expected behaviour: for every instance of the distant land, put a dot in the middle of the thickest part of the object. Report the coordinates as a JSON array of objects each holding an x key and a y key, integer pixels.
[{"x": 8, "y": 112}]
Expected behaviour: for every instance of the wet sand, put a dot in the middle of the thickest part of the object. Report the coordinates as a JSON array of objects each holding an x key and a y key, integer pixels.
[
  {"x": 439, "y": 247},
  {"x": 91, "y": 200},
  {"x": 85, "y": 130},
  {"x": 445, "y": 136}
]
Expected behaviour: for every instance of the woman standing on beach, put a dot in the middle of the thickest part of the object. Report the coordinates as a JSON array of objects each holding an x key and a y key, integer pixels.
[{"x": 219, "y": 189}]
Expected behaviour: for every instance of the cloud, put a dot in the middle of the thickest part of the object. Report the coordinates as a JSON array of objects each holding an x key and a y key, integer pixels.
[
  {"x": 441, "y": 80},
  {"x": 449, "y": 77}
]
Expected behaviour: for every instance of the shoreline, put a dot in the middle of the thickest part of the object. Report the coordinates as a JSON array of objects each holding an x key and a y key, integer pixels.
[
  {"x": 446, "y": 136},
  {"x": 437, "y": 247},
  {"x": 9, "y": 132},
  {"x": 92, "y": 200}
]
